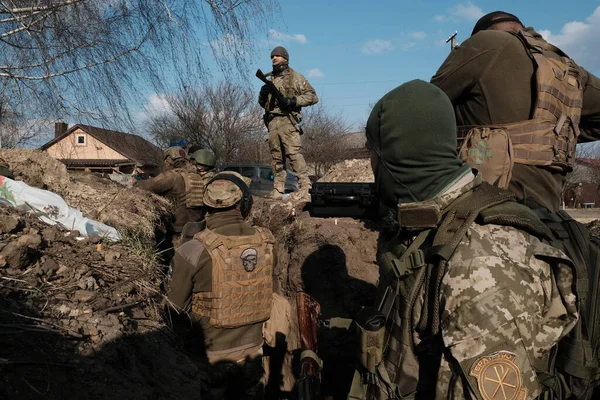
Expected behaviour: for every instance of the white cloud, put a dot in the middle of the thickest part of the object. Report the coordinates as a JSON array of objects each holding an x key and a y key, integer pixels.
[
  {"x": 461, "y": 12},
  {"x": 284, "y": 37},
  {"x": 468, "y": 11},
  {"x": 315, "y": 73},
  {"x": 418, "y": 35},
  {"x": 580, "y": 40},
  {"x": 156, "y": 105},
  {"x": 377, "y": 46}
]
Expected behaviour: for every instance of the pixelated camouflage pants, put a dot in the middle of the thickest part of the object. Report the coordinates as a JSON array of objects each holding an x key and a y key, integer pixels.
[{"x": 285, "y": 143}]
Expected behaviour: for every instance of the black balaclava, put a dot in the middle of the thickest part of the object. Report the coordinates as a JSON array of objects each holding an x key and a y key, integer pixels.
[
  {"x": 488, "y": 20},
  {"x": 412, "y": 130}
]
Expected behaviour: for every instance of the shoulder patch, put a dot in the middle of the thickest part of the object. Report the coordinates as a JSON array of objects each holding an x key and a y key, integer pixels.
[{"x": 498, "y": 377}]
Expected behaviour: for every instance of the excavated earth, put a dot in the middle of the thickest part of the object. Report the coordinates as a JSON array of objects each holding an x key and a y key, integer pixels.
[{"x": 82, "y": 319}]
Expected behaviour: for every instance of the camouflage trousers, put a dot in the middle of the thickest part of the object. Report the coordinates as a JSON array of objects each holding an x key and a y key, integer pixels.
[{"x": 285, "y": 143}]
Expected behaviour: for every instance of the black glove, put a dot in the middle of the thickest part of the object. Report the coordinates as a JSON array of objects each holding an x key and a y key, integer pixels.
[
  {"x": 287, "y": 102},
  {"x": 264, "y": 90}
]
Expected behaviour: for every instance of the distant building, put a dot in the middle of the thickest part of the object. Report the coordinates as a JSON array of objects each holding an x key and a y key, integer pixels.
[
  {"x": 89, "y": 148},
  {"x": 583, "y": 184}
]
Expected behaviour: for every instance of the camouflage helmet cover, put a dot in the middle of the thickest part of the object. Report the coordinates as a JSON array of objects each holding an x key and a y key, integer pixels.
[
  {"x": 204, "y": 157},
  {"x": 174, "y": 152},
  {"x": 222, "y": 193}
]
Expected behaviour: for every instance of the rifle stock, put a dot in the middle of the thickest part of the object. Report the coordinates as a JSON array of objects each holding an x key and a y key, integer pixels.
[
  {"x": 309, "y": 382},
  {"x": 346, "y": 199}
]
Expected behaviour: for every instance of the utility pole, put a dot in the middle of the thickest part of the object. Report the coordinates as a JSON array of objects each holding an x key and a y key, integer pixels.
[{"x": 452, "y": 40}]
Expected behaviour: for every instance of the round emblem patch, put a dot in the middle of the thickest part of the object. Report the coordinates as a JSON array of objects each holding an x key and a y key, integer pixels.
[{"x": 498, "y": 377}]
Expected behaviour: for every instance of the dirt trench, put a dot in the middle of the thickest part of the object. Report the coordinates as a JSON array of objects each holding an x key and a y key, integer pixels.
[{"x": 80, "y": 318}]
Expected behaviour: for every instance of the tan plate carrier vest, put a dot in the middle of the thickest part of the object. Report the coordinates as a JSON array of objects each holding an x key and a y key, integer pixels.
[
  {"x": 194, "y": 189},
  {"x": 237, "y": 297},
  {"x": 547, "y": 139}
]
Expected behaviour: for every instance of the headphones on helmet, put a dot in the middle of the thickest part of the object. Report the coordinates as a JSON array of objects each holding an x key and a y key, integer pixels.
[{"x": 247, "y": 200}]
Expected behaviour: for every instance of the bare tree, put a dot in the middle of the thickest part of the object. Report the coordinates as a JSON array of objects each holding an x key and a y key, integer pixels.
[
  {"x": 323, "y": 139},
  {"x": 98, "y": 58},
  {"x": 15, "y": 130},
  {"x": 224, "y": 118}
]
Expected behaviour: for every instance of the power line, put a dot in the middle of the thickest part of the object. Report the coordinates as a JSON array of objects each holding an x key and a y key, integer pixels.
[{"x": 356, "y": 82}]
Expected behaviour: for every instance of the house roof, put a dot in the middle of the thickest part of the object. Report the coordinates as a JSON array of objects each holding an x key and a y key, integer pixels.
[
  {"x": 591, "y": 162},
  {"x": 77, "y": 162},
  {"x": 133, "y": 147}
]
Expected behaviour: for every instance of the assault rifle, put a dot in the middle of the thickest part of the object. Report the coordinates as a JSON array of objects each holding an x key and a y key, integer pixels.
[
  {"x": 279, "y": 97},
  {"x": 346, "y": 199},
  {"x": 309, "y": 382}
]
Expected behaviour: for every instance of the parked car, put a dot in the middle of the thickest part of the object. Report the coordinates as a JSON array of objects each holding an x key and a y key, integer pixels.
[{"x": 262, "y": 177}]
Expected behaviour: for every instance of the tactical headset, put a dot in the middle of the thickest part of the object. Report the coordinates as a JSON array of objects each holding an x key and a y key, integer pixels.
[{"x": 247, "y": 200}]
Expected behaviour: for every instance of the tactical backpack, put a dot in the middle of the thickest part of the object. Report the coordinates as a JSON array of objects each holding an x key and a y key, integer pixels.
[
  {"x": 420, "y": 267},
  {"x": 578, "y": 355},
  {"x": 548, "y": 138}
]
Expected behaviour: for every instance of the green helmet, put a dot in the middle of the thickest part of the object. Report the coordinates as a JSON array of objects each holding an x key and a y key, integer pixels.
[
  {"x": 226, "y": 189},
  {"x": 174, "y": 152},
  {"x": 204, "y": 157}
]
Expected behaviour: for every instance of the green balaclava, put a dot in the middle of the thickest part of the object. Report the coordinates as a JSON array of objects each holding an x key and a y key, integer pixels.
[{"x": 412, "y": 130}]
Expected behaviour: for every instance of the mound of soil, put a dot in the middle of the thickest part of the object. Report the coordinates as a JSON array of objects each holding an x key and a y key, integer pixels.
[
  {"x": 133, "y": 211},
  {"x": 356, "y": 170},
  {"x": 83, "y": 319}
]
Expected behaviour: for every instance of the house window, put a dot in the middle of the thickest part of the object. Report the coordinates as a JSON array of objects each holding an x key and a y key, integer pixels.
[{"x": 80, "y": 140}]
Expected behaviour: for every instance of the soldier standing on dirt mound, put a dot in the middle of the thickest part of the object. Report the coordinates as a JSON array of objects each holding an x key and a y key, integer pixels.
[
  {"x": 508, "y": 77},
  {"x": 474, "y": 301},
  {"x": 283, "y": 120},
  {"x": 223, "y": 279},
  {"x": 183, "y": 185}
]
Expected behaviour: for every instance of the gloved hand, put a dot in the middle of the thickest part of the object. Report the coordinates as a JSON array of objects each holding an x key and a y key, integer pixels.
[
  {"x": 287, "y": 102},
  {"x": 264, "y": 90}
]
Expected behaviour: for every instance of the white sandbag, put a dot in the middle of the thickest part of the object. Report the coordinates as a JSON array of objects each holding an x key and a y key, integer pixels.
[{"x": 51, "y": 208}]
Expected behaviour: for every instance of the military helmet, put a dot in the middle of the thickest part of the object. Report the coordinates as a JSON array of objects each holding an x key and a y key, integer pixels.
[
  {"x": 227, "y": 189},
  {"x": 204, "y": 157},
  {"x": 174, "y": 152},
  {"x": 280, "y": 51}
]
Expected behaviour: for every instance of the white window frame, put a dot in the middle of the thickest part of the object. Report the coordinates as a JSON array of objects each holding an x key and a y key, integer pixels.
[{"x": 83, "y": 135}]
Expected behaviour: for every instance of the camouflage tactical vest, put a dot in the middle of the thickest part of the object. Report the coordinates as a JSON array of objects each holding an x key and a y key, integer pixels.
[
  {"x": 194, "y": 189},
  {"x": 547, "y": 139},
  {"x": 242, "y": 283},
  {"x": 285, "y": 85}
]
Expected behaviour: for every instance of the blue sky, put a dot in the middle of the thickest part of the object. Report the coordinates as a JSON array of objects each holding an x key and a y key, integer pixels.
[{"x": 353, "y": 52}]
